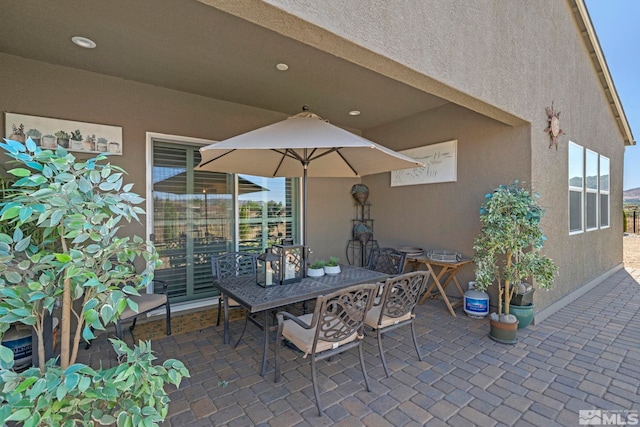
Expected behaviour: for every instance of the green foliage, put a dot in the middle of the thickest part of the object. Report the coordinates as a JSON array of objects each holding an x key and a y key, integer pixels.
[
  {"x": 318, "y": 264},
  {"x": 76, "y": 135},
  {"x": 78, "y": 207},
  {"x": 17, "y": 130},
  {"x": 130, "y": 393},
  {"x": 507, "y": 250},
  {"x": 63, "y": 134},
  {"x": 333, "y": 262},
  {"x": 624, "y": 221},
  {"x": 34, "y": 133}
]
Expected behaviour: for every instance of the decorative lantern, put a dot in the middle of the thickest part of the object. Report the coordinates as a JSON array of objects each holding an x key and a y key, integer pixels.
[
  {"x": 291, "y": 262},
  {"x": 267, "y": 269}
]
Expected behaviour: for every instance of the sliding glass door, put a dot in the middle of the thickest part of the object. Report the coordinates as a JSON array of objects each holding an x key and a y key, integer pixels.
[{"x": 197, "y": 215}]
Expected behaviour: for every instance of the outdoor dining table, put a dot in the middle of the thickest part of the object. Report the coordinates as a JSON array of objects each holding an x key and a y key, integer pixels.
[
  {"x": 445, "y": 275},
  {"x": 257, "y": 299}
]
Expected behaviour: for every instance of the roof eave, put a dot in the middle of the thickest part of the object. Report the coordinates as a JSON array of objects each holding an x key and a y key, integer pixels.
[{"x": 600, "y": 63}]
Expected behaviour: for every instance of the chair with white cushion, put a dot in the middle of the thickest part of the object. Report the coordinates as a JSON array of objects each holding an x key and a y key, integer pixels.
[
  {"x": 336, "y": 325},
  {"x": 395, "y": 308}
]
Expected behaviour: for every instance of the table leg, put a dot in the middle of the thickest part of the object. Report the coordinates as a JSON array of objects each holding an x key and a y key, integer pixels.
[
  {"x": 440, "y": 286},
  {"x": 455, "y": 280},
  {"x": 225, "y": 303},
  {"x": 265, "y": 348}
]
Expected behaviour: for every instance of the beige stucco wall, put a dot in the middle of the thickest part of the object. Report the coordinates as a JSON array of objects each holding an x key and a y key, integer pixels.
[
  {"x": 519, "y": 56},
  {"x": 30, "y": 87},
  {"x": 445, "y": 215}
]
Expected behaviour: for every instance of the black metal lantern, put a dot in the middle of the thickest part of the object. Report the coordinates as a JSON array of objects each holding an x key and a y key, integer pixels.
[
  {"x": 267, "y": 269},
  {"x": 291, "y": 268}
]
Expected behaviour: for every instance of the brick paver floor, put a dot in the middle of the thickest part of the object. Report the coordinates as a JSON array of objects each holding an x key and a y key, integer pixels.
[{"x": 585, "y": 357}]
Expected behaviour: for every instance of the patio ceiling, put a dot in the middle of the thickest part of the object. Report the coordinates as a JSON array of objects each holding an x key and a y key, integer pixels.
[{"x": 196, "y": 48}]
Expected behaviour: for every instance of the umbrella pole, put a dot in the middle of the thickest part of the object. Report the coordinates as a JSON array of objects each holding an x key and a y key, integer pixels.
[{"x": 305, "y": 164}]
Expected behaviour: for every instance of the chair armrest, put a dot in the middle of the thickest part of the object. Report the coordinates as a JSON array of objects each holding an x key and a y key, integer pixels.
[
  {"x": 165, "y": 285},
  {"x": 285, "y": 314}
]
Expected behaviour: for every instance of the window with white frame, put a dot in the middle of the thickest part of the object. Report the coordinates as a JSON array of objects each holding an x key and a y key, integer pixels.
[
  {"x": 591, "y": 187},
  {"x": 604, "y": 192},
  {"x": 576, "y": 187}
]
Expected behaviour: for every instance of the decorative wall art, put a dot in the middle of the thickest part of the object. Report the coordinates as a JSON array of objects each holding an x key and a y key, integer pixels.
[
  {"x": 440, "y": 165},
  {"x": 50, "y": 133},
  {"x": 553, "y": 129}
]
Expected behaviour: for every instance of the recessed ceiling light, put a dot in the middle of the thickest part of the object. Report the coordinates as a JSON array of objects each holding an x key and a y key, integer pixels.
[
  {"x": 83, "y": 42},
  {"x": 354, "y": 113},
  {"x": 282, "y": 66}
]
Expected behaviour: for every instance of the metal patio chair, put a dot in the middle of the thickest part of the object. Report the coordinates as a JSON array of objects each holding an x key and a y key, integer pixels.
[
  {"x": 234, "y": 264},
  {"x": 387, "y": 260},
  {"x": 336, "y": 325},
  {"x": 395, "y": 308},
  {"x": 146, "y": 303}
]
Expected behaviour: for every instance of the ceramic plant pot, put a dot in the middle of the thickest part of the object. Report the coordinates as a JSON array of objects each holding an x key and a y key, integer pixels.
[
  {"x": 524, "y": 314},
  {"x": 315, "y": 272},
  {"x": 504, "y": 333},
  {"x": 332, "y": 270}
]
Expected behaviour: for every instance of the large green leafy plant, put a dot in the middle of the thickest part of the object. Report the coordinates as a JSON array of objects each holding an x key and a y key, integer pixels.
[
  {"x": 78, "y": 259},
  {"x": 507, "y": 250}
]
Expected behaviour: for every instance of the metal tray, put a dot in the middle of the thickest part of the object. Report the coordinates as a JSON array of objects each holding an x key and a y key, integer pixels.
[
  {"x": 411, "y": 251},
  {"x": 444, "y": 255}
]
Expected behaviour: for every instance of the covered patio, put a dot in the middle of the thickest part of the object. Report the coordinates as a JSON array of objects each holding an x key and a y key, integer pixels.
[{"x": 584, "y": 357}]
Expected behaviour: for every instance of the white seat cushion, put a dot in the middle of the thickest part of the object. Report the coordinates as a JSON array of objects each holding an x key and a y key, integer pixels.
[
  {"x": 373, "y": 315},
  {"x": 303, "y": 338},
  {"x": 145, "y": 302}
]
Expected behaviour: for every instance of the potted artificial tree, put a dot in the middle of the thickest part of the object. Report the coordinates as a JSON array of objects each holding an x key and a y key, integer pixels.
[
  {"x": 507, "y": 252},
  {"x": 76, "y": 258}
]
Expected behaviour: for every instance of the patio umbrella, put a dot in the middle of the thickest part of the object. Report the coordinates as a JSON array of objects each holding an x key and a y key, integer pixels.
[{"x": 304, "y": 145}]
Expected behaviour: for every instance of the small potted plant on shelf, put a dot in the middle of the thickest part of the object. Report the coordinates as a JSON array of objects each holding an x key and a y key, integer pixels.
[
  {"x": 49, "y": 141},
  {"x": 34, "y": 134},
  {"x": 89, "y": 143},
  {"x": 507, "y": 252},
  {"x": 332, "y": 266},
  {"x": 316, "y": 269},
  {"x": 17, "y": 133},
  {"x": 76, "y": 140},
  {"x": 63, "y": 138},
  {"x": 102, "y": 144}
]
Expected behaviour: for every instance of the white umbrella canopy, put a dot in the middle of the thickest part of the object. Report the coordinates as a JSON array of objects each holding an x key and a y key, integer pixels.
[{"x": 304, "y": 145}]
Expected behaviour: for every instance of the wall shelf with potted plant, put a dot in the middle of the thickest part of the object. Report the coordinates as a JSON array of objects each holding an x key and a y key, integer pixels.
[{"x": 507, "y": 252}]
